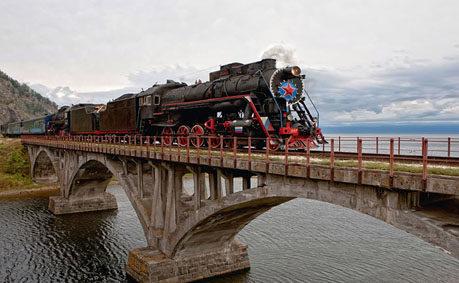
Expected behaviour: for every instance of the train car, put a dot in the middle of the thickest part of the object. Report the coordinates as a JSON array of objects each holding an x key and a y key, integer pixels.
[
  {"x": 3, "y": 129},
  {"x": 37, "y": 126},
  {"x": 120, "y": 116},
  {"x": 84, "y": 118},
  {"x": 14, "y": 129}
]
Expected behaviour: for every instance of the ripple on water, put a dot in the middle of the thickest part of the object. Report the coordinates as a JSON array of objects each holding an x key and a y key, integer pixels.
[{"x": 299, "y": 241}]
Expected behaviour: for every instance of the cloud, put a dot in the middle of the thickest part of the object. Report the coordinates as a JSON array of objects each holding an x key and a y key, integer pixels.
[
  {"x": 187, "y": 74},
  {"x": 416, "y": 93},
  {"x": 137, "y": 81}
]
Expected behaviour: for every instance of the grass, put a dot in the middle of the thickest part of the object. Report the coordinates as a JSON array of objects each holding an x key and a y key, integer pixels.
[{"x": 14, "y": 166}]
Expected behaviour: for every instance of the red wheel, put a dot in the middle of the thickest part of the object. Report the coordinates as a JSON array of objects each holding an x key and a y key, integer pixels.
[
  {"x": 167, "y": 135},
  {"x": 274, "y": 144},
  {"x": 195, "y": 138},
  {"x": 183, "y": 132},
  {"x": 215, "y": 142}
]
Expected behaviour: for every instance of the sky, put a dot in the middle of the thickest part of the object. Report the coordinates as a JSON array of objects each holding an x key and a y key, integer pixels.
[{"x": 366, "y": 62}]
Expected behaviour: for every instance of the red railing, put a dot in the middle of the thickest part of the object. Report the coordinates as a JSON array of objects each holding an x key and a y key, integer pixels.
[
  {"x": 242, "y": 148},
  {"x": 441, "y": 147}
]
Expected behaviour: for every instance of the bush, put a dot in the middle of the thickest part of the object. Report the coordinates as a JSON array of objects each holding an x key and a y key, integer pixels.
[{"x": 18, "y": 163}]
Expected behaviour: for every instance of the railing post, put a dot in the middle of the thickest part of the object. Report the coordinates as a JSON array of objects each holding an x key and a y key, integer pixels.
[
  {"x": 339, "y": 143},
  {"x": 188, "y": 149},
  {"x": 398, "y": 152},
  {"x": 148, "y": 146},
  {"x": 124, "y": 145},
  {"x": 308, "y": 159},
  {"x": 179, "y": 150},
  {"x": 359, "y": 151},
  {"x": 250, "y": 152},
  {"x": 234, "y": 151},
  {"x": 377, "y": 145},
  {"x": 267, "y": 154},
  {"x": 198, "y": 149},
  {"x": 449, "y": 147},
  {"x": 141, "y": 145},
  {"x": 424, "y": 163},
  {"x": 162, "y": 147},
  {"x": 391, "y": 163},
  {"x": 221, "y": 151},
  {"x": 332, "y": 160},
  {"x": 154, "y": 145},
  {"x": 286, "y": 157},
  {"x": 135, "y": 145},
  {"x": 170, "y": 147},
  {"x": 209, "y": 145}
]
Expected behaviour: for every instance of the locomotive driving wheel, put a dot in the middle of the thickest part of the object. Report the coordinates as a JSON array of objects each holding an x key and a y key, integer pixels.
[
  {"x": 195, "y": 137},
  {"x": 274, "y": 144},
  {"x": 183, "y": 132},
  {"x": 214, "y": 141},
  {"x": 167, "y": 135}
]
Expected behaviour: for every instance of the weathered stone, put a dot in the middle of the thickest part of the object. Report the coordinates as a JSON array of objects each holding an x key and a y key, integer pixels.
[
  {"x": 60, "y": 205},
  {"x": 149, "y": 265}
]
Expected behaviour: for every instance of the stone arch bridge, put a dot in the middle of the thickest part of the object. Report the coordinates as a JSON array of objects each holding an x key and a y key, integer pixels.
[{"x": 190, "y": 235}]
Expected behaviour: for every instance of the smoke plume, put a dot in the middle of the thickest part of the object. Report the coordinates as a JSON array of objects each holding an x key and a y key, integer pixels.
[{"x": 284, "y": 55}]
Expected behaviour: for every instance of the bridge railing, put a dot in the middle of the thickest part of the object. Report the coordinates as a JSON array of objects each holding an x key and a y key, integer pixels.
[
  {"x": 250, "y": 149},
  {"x": 438, "y": 146}
]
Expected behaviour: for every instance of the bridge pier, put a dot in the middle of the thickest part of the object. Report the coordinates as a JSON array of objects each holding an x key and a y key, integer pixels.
[
  {"x": 151, "y": 265},
  {"x": 60, "y": 205}
]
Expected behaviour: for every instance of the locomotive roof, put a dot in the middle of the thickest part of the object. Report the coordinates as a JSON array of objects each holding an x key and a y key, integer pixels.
[
  {"x": 83, "y": 105},
  {"x": 125, "y": 96},
  {"x": 159, "y": 88}
]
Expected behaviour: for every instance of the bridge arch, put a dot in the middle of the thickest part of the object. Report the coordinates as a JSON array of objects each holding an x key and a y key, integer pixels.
[
  {"x": 89, "y": 180},
  {"x": 43, "y": 169},
  {"x": 217, "y": 223},
  {"x": 92, "y": 175}
]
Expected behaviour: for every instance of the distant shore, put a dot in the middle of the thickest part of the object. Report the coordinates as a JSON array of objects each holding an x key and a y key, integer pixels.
[{"x": 43, "y": 191}]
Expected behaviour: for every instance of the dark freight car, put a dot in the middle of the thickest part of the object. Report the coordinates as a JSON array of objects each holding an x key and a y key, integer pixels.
[
  {"x": 120, "y": 116},
  {"x": 83, "y": 118}
]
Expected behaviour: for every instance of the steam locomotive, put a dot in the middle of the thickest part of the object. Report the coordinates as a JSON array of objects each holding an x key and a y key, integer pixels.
[{"x": 254, "y": 100}]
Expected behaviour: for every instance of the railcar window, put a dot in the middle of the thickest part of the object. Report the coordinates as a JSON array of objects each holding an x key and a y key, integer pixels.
[{"x": 157, "y": 100}]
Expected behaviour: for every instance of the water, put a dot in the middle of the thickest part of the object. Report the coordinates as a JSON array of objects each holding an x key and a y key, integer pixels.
[{"x": 299, "y": 241}]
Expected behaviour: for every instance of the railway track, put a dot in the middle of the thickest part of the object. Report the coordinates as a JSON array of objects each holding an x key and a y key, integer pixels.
[{"x": 410, "y": 159}]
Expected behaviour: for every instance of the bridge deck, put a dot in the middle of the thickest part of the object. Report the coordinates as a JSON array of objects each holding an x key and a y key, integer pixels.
[{"x": 385, "y": 173}]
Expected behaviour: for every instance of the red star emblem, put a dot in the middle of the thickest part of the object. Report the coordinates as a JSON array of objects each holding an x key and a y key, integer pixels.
[{"x": 288, "y": 90}]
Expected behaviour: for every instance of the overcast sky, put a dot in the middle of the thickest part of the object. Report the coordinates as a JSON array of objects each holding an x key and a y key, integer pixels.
[{"x": 366, "y": 61}]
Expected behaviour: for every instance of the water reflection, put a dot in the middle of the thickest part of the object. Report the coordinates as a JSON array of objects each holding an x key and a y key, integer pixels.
[{"x": 299, "y": 241}]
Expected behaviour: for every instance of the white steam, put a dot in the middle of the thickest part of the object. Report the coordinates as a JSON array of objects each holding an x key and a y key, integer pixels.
[{"x": 284, "y": 55}]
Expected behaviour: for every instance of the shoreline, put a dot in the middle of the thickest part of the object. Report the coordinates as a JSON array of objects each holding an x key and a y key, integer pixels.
[{"x": 42, "y": 191}]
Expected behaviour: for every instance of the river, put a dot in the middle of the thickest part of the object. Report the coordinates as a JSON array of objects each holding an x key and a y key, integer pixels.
[{"x": 299, "y": 241}]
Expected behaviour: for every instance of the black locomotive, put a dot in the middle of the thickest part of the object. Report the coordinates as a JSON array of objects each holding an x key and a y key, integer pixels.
[{"x": 253, "y": 100}]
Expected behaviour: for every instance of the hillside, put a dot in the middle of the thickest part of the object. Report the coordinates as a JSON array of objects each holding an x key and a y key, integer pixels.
[{"x": 19, "y": 102}]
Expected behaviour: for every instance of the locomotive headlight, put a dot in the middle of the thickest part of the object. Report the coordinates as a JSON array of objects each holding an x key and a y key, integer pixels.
[
  {"x": 296, "y": 71},
  {"x": 290, "y": 117}
]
